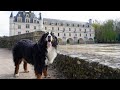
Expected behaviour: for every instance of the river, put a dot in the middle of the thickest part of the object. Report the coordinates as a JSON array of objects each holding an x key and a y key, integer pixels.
[{"x": 107, "y": 54}]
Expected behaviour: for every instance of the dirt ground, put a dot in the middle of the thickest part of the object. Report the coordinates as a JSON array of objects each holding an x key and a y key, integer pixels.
[{"x": 7, "y": 68}]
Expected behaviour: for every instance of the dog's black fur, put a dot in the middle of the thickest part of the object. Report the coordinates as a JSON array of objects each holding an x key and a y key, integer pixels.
[{"x": 33, "y": 53}]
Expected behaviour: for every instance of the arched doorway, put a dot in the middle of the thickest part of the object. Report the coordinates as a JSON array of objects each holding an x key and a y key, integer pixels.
[
  {"x": 80, "y": 41},
  {"x": 70, "y": 41},
  {"x": 91, "y": 40}
]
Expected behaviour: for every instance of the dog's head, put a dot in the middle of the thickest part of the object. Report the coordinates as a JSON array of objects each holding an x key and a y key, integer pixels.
[{"x": 49, "y": 39}]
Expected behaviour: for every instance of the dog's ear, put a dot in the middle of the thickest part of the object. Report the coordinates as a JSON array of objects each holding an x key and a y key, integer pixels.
[
  {"x": 57, "y": 41},
  {"x": 42, "y": 40}
]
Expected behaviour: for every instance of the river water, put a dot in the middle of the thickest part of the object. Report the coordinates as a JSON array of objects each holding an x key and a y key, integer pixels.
[{"x": 107, "y": 54}]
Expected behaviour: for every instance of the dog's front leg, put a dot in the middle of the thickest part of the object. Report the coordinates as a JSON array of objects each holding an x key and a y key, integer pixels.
[{"x": 38, "y": 76}]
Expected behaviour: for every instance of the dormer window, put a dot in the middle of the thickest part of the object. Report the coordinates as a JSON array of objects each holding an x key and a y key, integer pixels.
[
  {"x": 73, "y": 25},
  {"x": 34, "y": 21},
  {"x": 27, "y": 15},
  {"x": 19, "y": 19},
  {"x": 61, "y": 24}
]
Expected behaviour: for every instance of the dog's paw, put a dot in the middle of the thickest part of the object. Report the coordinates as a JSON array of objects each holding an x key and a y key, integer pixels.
[
  {"x": 16, "y": 75},
  {"x": 48, "y": 76},
  {"x": 26, "y": 71}
]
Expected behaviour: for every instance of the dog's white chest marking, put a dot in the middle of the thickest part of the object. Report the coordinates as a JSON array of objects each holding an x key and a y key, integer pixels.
[{"x": 51, "y": 55}]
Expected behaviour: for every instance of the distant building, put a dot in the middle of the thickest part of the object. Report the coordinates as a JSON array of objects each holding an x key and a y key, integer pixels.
[{"x": 67, "y": 31}]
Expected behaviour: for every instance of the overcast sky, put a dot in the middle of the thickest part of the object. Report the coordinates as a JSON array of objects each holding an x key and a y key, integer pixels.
[{"x": 83, "y": 16}]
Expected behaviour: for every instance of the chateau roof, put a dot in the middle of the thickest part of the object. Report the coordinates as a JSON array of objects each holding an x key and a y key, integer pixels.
[
  {"x": 23, "y": 15},
  {"x": 48, "y": 21}
]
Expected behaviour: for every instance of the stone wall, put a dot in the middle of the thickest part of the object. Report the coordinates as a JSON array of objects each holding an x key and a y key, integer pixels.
[
  {"x": 74, "y": 68},
  {"x": 8, "y": 42}
]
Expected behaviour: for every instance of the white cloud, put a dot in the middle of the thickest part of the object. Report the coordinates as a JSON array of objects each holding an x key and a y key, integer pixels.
[{"x": 64, "y": 15}]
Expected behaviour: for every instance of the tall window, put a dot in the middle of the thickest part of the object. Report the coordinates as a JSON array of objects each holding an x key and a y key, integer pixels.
[
  {"x": 67, "y": 24},
  {"x": 58, "y": 28},
  {"x": 27, "y": 26},
  {"x": 80, "y": 34},
  {"x": 27, "y": 21},
  {"x": 58, "y": 34},
  {"x": 19, "y": 33},
  {"x": 90, "y": 30},
  {"x": 85, "y": 30},
  {"x": 34, "y": 21},
  {"x": 69, "y": 29},
  {"x": 27, "y": 31},
  {"x": 75, "y": 29},
  {"x": 76, "y": 34},
  {"x": 86, "y": 34},
  {"x": 45, "y": 28},
  {"x": 19, "y": 26},
  {"x": 64, "y": 34},
  {"x": 52, "y": 28},
  {"x": 90, "y": 35},
  {"x": 69, "y": 34},
  {"x": 63, "y": 29},
  {"x": 34, "y": 27}
]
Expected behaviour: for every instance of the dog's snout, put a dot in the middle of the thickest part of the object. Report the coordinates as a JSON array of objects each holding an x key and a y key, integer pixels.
[{"x": 49, "y": 38}]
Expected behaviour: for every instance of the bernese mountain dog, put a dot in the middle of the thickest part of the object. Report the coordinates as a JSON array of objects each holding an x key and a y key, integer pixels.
[{"x": 40, "y": 54}]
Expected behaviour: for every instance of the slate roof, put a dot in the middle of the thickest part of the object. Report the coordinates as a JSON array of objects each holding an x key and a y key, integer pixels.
[
  {"x": 23, "y": 15},
  {"x": 48, "y": 21}
]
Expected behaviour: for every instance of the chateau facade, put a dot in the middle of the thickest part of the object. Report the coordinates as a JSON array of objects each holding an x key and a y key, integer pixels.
[{"x": 72, "y": 32}]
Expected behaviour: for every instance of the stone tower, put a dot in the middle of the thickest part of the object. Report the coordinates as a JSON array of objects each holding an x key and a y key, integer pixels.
[
  {"x": 11, "y": 24},
  {"x": 40, "y": 22}
]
